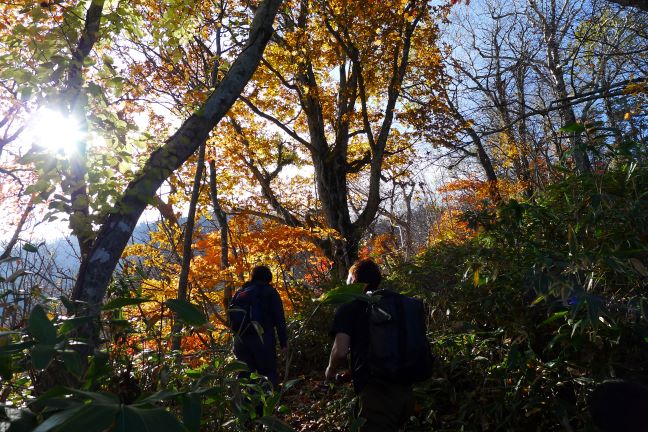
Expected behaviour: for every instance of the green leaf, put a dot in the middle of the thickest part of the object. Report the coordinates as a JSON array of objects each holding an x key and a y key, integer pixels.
[
  {"x": 86, "y": 418},
  {"x": 53, "y": 398},
  {"x": 133, "y": 418},
  {"x": 344, "y": 294},
  {"x": 191, "y": 411},
  {"x": 555, "y": 316},
  {"x": 30, "y": 247},
  {"x": 124, "y": 301},
  {"x": 573, "y": 127},
  {"x": 72, "y": 361},
  {"x": 99, "y": 398},
  {"x": 290, "y": 384},
  {"x": 98, "y": 368},
  {"x": 235, "y": 367},
  {"x": 42, "y": 355},
  {"x": 40, "y": 327},
  {"x": 187, "y": 312},
  {"x": 6, "y": 367},
  {"x": 73, "y": 323},
  {"x": 538, "y": 299},
  {"x": 13, "y": 348}
]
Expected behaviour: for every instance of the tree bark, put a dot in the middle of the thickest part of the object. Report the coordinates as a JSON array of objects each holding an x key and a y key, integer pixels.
[
  {"x": 221, "y": 216},
  {"x": 549, "y": 26},
  {"x": 97, "y": 268},
  {"x": 187, "y": 241}
]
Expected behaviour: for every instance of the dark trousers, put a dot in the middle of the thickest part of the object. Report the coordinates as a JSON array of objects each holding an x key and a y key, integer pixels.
[
  {"x": 260, "y": 356},
  {"x": 385, "y": 406}
]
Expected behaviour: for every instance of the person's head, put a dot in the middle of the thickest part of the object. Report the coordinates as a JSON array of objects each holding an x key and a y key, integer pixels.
[
  {"x": 365, "y": 271},
  {"x": 261, "y": 274}
]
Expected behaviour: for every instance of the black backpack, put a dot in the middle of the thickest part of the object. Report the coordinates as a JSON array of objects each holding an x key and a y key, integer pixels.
[
  {"x": 246, "y": 311},
  {"x": 399, "y": 350}
]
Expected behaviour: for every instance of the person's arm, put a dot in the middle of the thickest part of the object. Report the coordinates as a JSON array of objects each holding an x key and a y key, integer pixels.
[
  {"x": 338, "y": 356},
  {"x": 279, "y": 319}
]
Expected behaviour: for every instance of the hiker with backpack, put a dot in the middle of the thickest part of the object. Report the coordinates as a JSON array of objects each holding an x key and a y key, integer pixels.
[
  {"x": 386, "y": 337},
  {"x": 255, "y": 312}
]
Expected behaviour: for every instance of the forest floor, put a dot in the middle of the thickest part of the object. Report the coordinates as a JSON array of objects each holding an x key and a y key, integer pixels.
[{"x": 314, "y": 405}]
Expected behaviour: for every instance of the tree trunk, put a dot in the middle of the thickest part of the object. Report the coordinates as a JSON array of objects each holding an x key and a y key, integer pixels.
[
  {"x": 77, "y": 102},
  {"x": 97, "y": 268},
  {"x": 549, "y": 27},
  {"x": 224, "y": 230},
  {"x": 187, "y": 241}
]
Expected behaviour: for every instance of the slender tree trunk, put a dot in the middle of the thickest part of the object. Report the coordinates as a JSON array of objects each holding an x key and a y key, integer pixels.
[
  {"x": 187, "y": 241},
  {"x": 549, "y": 26},
  {"x": 223, "y": 225},
  {"x": 524, "y": 147}
]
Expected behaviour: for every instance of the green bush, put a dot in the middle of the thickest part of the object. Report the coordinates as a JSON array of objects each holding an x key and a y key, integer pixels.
[{"x": 547, "y": 301}]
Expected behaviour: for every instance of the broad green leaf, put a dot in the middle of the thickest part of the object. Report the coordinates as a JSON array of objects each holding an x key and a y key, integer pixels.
[
  {"x": 235, "y": 366},
  {"x": 187, "y": 312},
  {"x": 133, "y": 418},
  {"x": 42, "y": 355},
  {"x": 6, "y": 367},
  {"x": 13, "y": 348},
  {"x": 73, "y": 323},
  {"x": 86, "y": 418},
  {"x": 72, "y": 361},
  {"x": 98, "y": 368},
  {"x": 97, "y": 397},
  {"x": 344, "y": 294},
  {"x": 192, "y": 411},
  {"x": 40, "y": 327}
]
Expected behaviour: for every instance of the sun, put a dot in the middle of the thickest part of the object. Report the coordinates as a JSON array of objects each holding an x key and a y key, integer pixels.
[{"x": 52, "y": 130}]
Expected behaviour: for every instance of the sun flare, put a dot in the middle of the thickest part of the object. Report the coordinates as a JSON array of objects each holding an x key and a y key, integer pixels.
[{"x": 54, "y": 131}]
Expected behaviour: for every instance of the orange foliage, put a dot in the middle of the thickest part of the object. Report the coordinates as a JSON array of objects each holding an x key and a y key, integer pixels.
[
  {"x": 290, "y": 252},
  {"x": 382, "y": 248},
  {"x": 463, "y": 195}
]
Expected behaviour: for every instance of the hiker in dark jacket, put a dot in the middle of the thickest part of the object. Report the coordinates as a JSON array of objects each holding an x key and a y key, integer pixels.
[
  {"x": 384, "y": 405},
  {"x": 619, "y": 405},
  {"x": 257, "y": 346}
]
